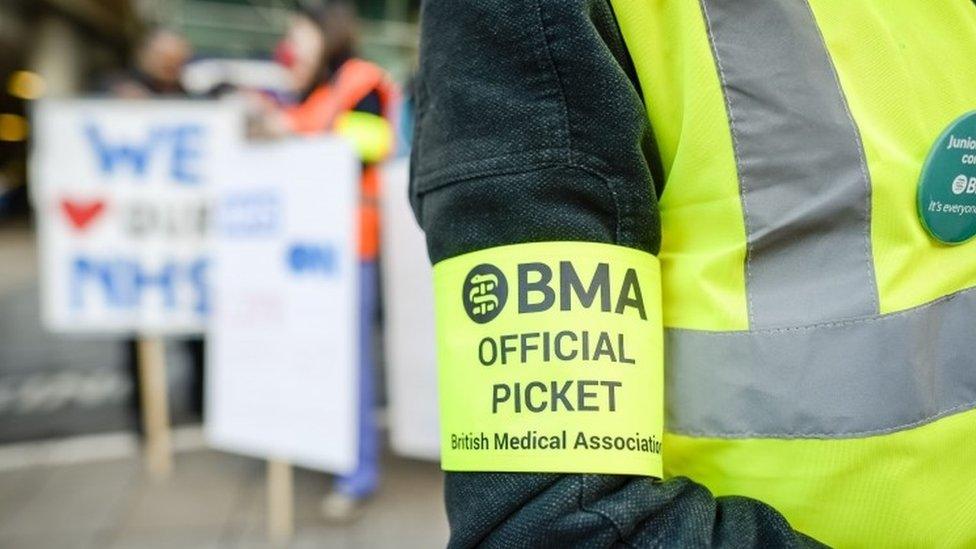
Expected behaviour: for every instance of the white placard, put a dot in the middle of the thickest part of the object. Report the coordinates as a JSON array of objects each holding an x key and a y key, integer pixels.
[
  {"x": 121, "y": 194},
  {"x": 408, "y": 300},
  {"x": 282, "y": 345}
]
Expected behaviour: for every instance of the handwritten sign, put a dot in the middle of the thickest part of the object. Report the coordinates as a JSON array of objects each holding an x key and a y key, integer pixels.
[
  {"x": 122, "y": 193},
  {"x": 282, "y": 347}
]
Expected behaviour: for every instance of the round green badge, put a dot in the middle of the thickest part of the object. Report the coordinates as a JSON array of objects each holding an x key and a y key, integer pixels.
[{"x": 947, "y": 186}]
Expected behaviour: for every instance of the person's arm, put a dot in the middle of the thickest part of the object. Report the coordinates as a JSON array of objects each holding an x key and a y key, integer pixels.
[{"x": 530, "y": 129}]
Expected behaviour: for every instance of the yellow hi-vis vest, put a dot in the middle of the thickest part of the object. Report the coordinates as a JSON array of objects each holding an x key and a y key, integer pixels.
[{"x": 820, "y": 345}]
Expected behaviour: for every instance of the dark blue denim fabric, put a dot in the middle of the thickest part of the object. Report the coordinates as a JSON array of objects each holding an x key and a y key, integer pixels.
[{"x": 530, "y": 128}]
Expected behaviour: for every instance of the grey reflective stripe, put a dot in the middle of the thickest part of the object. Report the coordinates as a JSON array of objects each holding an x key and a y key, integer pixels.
[
  {"x": 841, "y": 379},
  {"x": 802, "y": 175}
]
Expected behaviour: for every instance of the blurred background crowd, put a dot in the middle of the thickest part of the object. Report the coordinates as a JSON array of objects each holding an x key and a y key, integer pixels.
[
  {"x": 69, "y": 407},
  {"x": 173, "y": 48}
]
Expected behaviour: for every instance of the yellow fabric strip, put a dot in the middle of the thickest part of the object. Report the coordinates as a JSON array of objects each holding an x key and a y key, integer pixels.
[
  {"x": 369, "y": 134},
  {"x": 550, "y": 359},
  {"x": 913, "y": 488},
  {"x": 703, "y": 240}
]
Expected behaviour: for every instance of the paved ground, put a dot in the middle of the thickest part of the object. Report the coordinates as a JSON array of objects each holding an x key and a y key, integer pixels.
[
  {"x": 214, "y": 500},
  {"x": 54, "y": 385}
]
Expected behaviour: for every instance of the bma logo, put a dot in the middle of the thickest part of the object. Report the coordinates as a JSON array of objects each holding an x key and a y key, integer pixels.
[
  {"x": 485, "y": 292},
  {"x": 962, "y": 184}
]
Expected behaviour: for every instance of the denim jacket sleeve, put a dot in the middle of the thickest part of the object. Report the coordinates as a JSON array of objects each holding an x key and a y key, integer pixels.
[{"x": 530, "y": 128}]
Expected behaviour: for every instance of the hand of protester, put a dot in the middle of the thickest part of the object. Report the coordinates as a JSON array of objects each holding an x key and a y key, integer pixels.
[{"x": 265, "y": 119}]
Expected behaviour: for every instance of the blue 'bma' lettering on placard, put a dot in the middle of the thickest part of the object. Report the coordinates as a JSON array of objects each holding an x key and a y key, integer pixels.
[
  {"x": 184, "y": 143},
  {"x": 303, "y": 257}
]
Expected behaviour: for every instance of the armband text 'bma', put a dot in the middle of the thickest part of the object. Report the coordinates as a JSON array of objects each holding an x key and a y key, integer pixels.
[{"x": 550, "y": 359}]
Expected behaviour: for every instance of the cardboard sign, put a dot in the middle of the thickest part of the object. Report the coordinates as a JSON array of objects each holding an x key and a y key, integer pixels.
[
  {"x": 121, "y": 194},
  {"x": 282, "y": 351},
  {"x": 408, "y": 300}
]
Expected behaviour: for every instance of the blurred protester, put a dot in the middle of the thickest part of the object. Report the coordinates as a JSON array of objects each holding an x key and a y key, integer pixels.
[
  {"x": 342, "y": 94},
  {"x": 159, "y": 60}
]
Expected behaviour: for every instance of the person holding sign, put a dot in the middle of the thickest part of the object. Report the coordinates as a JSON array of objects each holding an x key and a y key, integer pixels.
[
  {"x": 705, "y": 271},
  {"x": 160, "y": 57},
  {"x": 355, "y": 99}
]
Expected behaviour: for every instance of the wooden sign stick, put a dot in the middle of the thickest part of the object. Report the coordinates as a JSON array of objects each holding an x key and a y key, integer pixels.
[
  {"x": 154, "y": 395},
  {"x": 281, "y": 498}
]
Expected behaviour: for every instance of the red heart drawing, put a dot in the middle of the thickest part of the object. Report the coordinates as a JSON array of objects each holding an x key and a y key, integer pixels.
[{"x": 81, "y": 213}]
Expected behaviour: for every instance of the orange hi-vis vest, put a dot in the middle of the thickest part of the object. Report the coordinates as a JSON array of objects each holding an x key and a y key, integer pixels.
[{"x": 321, "y": 112}]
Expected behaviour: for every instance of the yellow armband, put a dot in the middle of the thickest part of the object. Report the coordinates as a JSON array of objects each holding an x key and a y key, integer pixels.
[
  {"x": 369, "y": 134},
  {"x": 550, "y": 359}
]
